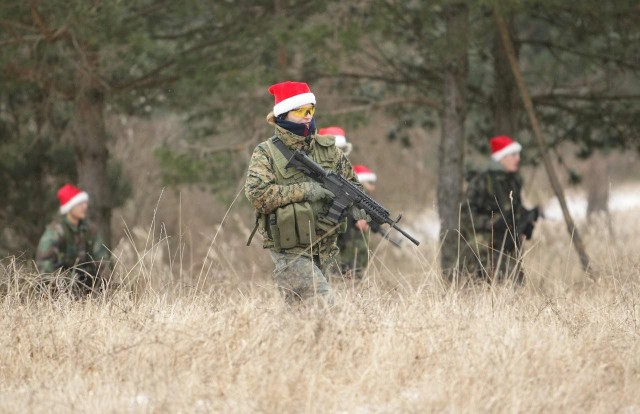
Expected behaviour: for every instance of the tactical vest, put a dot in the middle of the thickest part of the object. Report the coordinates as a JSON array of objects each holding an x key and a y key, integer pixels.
[
  {"x": 76, "y": 250},
  {"x": 299, "y": 224},
  {"x": 500, "y": 186}
]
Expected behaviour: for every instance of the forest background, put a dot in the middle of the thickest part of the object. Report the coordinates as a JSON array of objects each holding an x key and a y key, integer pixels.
[{"x": 154, "y": 107}]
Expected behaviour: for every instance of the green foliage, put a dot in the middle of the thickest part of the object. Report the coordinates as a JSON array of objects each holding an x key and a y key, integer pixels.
[
  {"x": 212, "y": 62},
  {"x": 179, "y": 168},
  {"x": 32, "y": 167},
  {"x": 119, "y": 184},
  {"x": 214, "y": 170},
  {"x": 580, "y": 60}
]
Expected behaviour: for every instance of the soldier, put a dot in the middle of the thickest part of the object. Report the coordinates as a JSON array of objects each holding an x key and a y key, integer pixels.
[
  {"x": 496, "y": 222},
  {"x": 340, "y": 136},
  {"x": 354, "y": 243},
  {"x": 291, "y": 209},
  {"x": 72, "y": 243}
]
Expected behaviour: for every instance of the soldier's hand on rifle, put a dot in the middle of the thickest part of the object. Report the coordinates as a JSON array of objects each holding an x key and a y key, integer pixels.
[
  {"x": 529, "y": 222},
  {"x": 362, "y": 225},
  {"x": 314, "y": 191},
  {"x": 534, "y": 213},
  {"x": 359, "y": 214}
]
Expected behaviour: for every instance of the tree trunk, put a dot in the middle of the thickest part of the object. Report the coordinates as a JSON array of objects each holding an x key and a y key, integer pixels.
[
  {"x": 542, "y": 145},
  {"x": 282, "y": 58},
  {"x": 89, "y": 137},
  {"x": 505, "y": 95},
  {"x": 451, "y": 151}
]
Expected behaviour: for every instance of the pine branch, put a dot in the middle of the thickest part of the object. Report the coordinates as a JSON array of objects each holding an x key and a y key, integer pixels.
[{"x": 596, "y": 56}]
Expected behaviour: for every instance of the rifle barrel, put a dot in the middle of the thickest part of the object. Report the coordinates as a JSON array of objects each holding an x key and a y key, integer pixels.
[
  {"x": 386, "y": 234},
  {"x": 405, "y": 234}
]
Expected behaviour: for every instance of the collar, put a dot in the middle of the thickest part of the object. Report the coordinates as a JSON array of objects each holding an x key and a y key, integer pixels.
[
  {"x": 293, "y": 141},
  {"x": 73, "y": 227},
  {"x": 495, "y": 166}
]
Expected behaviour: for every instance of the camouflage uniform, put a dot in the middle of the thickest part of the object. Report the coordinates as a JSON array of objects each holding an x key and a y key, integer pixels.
[
  {"x": 489, "y": 245},
  {"x": 301, "y": 265},
  {"x": 67, "y": 246},
  {"x": 354, "y": 249}
]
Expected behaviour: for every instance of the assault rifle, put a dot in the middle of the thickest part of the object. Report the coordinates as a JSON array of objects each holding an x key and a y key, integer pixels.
[
  {"x": 528, "y": 222},
  {"x": 386, "y": 234},
  {"x": 346, "y": 194}
]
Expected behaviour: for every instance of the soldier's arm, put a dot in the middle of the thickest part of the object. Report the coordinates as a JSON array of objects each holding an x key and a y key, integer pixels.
[
  {"x": 48, "y": 252},
  {"x": 261, "y": 188},
  {"x": 344, "y": 168},
  {"x": 100, "y": 251}
]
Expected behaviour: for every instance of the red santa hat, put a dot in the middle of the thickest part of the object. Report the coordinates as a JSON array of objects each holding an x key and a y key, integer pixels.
[
  {"x": 341, "y": 137},
  {"x": 290, "y": 95},
  {"x": 70, "y": 197},
  {"x": 365, "y": 175},
  {"x": 502, "y": 145}
]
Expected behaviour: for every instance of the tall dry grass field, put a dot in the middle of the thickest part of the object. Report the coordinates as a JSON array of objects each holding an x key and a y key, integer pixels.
[{"x": 399, "y": 341}]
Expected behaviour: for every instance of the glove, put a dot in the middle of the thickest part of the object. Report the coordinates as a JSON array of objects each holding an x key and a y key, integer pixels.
[
  {"x": 360, "y": 214},
  {"x": 529, "y": 222},
  {"x": 533, "y": 214},
  {"x": 527, "y": 232},
  {"x": 314, "y": 191}
]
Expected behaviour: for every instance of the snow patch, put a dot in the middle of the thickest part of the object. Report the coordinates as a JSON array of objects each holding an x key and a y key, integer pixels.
[{"x": 427, "y": 223}]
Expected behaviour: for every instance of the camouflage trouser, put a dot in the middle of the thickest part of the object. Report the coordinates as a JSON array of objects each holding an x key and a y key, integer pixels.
[
  {"x": 299, "y": 278},
  {"x": 354, "y": 254}
]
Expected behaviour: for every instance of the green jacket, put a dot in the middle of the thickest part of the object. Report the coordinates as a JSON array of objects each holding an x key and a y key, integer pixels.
[
  {"x": 276, "y": 192},
  {"x": 354, "y": 247},
  {"x": 494, "y": 206},
  {"x": 64, "y": 245}
]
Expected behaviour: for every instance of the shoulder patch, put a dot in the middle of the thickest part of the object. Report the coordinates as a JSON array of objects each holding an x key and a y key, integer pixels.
[{"x": 326, "y": 140}]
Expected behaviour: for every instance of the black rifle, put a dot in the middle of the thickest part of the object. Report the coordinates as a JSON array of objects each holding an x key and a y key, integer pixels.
[
  {"x": 346, "y": 194},
  {"x": 528, "y": 222},
  {"x": 386, "y": 234}
]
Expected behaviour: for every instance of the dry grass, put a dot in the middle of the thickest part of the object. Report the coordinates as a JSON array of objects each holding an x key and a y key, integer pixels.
[{"x": 397, "y": 342}]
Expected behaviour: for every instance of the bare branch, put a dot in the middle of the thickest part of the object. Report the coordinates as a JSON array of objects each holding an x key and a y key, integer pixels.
[
  {"x": 386, "y": 103},
  {"x": 590, "y": 97},
  {"x": 551, "y": 46}
]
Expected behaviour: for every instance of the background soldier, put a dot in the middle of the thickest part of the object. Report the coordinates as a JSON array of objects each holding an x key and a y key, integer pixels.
[
  {"x": 340, "y": 136},
  {"x": 354, "y": 243},
  {"x": 292, "y": 209},
  {"x": 71, "y": 242},
  {"x": 495, "y": 220}
]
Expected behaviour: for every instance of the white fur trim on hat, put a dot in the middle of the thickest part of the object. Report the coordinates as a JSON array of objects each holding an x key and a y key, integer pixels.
[
  {"x": 294, "y": 102},
  {"x": 512, "y": 148},
  {"x": 367, "y": 177},
  {"x": 77, "y": 199},
  {"x": 341, "y": 141}
]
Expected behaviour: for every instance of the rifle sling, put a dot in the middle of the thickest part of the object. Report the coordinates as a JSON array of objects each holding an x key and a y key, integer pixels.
[
  {"x": 282, "y": 147},
  {"x": 253, "y": 232}
]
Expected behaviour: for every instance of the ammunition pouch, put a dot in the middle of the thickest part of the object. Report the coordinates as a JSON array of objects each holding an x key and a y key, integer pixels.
[
  {"x": 326, "y": 226},
  {"x": 292, "y": 225}
]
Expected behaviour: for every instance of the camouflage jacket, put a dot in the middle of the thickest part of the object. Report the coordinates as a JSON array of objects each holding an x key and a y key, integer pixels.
[
  {"x": 494, "y": 203},
  {"x": 266, "y": 194},
  {"x": 64, "y": 245}
]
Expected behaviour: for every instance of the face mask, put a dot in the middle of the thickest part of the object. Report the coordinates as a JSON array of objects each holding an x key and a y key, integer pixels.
[{"x": 299, "y": 129}]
